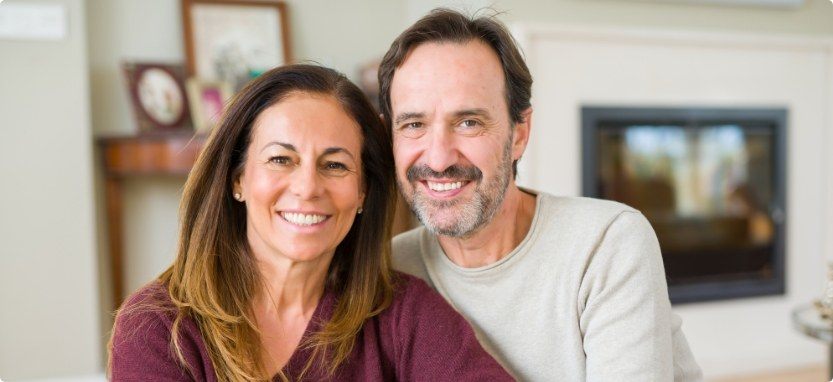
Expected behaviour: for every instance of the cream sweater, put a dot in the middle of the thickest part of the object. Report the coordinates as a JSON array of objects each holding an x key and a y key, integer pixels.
[{"x": 582, "y": 298}]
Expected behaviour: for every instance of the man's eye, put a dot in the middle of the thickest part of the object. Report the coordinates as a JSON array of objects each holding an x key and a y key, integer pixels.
[
  {"x": 469, "y": 123},
  {"x": 412, "y": 125}
]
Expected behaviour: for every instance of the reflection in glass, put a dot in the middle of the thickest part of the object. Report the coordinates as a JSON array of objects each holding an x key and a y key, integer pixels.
[{"x": 706, "y": 189}]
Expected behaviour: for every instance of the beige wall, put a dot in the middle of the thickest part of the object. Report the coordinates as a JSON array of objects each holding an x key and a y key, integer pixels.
[
  {"x": 815, "y": 17},
  {"x": 48, "y": 286}
]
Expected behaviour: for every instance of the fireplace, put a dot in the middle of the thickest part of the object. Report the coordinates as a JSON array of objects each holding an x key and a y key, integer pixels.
[{"x": 712, "y": 183}]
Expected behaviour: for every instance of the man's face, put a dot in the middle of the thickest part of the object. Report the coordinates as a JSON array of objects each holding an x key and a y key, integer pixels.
[{"x": 452, "y": 136}]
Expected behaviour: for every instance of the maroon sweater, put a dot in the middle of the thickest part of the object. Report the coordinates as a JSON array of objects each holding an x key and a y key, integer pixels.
[{"x": 418, "y": 338}]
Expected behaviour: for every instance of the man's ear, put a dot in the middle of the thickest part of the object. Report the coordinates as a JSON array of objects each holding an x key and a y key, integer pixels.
[{"x": 520, "y": 136}]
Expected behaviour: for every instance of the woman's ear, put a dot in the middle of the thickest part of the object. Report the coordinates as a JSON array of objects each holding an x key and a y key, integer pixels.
[
  {"x": 237, "y": 187},
  {"x": 362, "y": 194}
]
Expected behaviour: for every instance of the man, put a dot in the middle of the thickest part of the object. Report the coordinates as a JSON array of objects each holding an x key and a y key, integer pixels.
[{"x": 557, "y": 288}]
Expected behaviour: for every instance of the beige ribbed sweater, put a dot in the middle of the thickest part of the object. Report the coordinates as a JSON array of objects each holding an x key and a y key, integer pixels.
[{"x": 582, "y": 298}]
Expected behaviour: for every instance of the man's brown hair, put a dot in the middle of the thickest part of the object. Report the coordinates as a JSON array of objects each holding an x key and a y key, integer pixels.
[{"x": 446, "y": 25}]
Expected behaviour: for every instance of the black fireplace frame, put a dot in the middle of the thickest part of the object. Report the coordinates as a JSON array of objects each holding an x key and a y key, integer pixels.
[{"x": 593, "y": 116}]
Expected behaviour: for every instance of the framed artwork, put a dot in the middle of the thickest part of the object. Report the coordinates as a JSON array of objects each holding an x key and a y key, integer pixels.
[
  {"x": 207, "y": 100},
  {"x": 158, "y": 96},
  {"x": 234, "y": 41}
]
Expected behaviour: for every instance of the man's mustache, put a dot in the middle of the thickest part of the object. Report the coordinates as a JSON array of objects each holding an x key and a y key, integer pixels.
[{"x": 419, "y": 172}]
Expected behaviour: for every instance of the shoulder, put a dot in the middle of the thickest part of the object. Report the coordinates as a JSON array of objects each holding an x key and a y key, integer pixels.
[
  {"x": 148, "y": 309},
  {"x": 431, "y": 341},
  {"x": 407, "y": 254},
  {"x": 418, "y": 311},
  {"x": 580, "y": 221},
  {"x": 408, "y": 242},
  {"x": 582, "y": 209},
  {"x": 414, "y": 299},
  {"x": 411, "y": 289},
  {"x": 140, "y": 346}
]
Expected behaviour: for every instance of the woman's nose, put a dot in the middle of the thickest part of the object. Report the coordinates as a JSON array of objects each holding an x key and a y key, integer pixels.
[{"x": 305, "y": 182}]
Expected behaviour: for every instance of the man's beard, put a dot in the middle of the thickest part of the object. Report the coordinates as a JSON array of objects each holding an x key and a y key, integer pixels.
[{"x": 459, "y": 218}]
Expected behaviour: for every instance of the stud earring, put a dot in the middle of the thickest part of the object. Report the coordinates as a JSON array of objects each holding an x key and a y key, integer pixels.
[
  {"x": 359, "y": 212},
  {"x": 238, "y": 196}
]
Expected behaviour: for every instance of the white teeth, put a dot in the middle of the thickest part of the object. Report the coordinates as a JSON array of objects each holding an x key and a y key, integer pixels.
[
  {"x": 444, "y": 186},
  {"x": 302, "y": 219}
]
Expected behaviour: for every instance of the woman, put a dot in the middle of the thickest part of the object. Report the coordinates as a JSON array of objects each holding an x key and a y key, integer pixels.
[{"x": 282, "y": 270}]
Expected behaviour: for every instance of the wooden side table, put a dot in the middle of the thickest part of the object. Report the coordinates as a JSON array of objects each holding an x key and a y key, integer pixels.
[{"x": 161, "y": 154}]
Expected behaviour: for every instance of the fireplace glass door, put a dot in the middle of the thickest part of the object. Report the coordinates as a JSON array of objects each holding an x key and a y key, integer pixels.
[{"x": 710, "y": 181}]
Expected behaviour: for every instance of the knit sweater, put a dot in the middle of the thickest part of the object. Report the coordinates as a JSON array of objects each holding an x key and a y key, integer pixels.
[
  {"x": 418, "y": 338},
  {"x": 582, "y": 298}
]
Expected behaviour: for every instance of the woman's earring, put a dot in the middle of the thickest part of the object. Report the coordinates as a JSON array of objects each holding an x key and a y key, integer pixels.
[
  {"x": 359, "y": 212},
  {"x": 238, "y": 196}
]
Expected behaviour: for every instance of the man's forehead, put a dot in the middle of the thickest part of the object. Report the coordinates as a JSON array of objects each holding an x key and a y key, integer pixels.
[
  {"x": 463, "y": 74},
  {"x": 468, "y": 60}
]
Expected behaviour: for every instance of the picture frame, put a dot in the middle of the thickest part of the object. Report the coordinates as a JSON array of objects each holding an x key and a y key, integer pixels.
[
  {"x": 158, "y": 97},
  {"x": 234, "y": 40},
  {"x": 207, "y": 100}
]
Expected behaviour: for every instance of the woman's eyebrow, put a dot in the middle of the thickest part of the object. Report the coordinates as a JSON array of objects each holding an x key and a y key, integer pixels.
[
  {"x": 287, "y": 146},
  {"x": 333, "y": 150}
]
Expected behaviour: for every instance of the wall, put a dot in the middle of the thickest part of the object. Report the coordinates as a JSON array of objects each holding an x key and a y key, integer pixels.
[
  {"x": 813, "y": 18},
  {"x": 48, "y": 286},
  {"x": 572, "y": 68}
]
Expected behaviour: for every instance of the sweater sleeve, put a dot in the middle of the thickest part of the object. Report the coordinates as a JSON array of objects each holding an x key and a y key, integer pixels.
[
  {"x": 435, "y": 343},
  {"x": 626, "y": 316},
  {"x": 141, "y": 345}
]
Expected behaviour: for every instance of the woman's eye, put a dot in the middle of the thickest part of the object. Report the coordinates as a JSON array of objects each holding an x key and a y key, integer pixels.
[
  {"x": 335, "y": 166},
  {"x": 280, "y": 160}
]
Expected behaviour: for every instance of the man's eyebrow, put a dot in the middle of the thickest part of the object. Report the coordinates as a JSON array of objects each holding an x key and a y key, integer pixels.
[
  {"x": 406, "y": 116},
  {"x": 333, "y": 150},
  {"x": 287, "y": 146},
  {"x": 472, "y": 112}
]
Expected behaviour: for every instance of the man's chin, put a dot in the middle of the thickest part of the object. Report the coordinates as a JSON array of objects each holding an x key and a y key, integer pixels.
[{"x": 446, "y": 223}]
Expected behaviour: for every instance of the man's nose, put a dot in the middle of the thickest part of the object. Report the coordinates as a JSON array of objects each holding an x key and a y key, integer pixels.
[
  {"x": 441, "y": 152},
  {"x": 305, "y": 182}
]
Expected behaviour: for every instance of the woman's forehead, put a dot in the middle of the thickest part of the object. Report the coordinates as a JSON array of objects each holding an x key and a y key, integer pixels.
[{"x": 310, "y": 121}]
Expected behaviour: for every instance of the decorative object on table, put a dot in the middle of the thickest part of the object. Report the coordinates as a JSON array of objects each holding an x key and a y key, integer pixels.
[
  {"x": 234, "y": 41},
  {"x": 207, "y": 100},
  {"x": 825, "y": 304},
  {"x": 158, "y": 96}
]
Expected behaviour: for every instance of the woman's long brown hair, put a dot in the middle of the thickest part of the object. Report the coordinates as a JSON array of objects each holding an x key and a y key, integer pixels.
[{"x": 214, "y": 279}]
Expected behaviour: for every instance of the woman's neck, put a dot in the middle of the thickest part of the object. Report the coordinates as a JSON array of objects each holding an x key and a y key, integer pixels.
[
  {"x": 292, "y": 287},
  {"x": 290, "y": 293}
]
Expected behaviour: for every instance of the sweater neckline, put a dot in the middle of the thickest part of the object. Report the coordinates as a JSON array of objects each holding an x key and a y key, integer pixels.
[
  {"x": 323, "y": 312},
  {"x": 506, "y": 261}
]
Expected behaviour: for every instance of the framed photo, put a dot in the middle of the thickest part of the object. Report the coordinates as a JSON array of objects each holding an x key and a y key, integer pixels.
[
  {"x": 158, "y": 96},
  {"x": 207, "y": 100},
  {"x": 234, "y": 41}
]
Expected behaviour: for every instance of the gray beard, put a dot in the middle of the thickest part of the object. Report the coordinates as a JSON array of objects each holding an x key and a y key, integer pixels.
[{"x": 470, "y": 216}]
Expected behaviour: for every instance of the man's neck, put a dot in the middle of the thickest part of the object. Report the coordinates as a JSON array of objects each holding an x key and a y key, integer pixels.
[{"x": 498, "y": 237}]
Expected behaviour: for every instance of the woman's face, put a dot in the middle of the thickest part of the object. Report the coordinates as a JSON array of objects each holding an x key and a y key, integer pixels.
[{"x": 302, "y": 179}]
